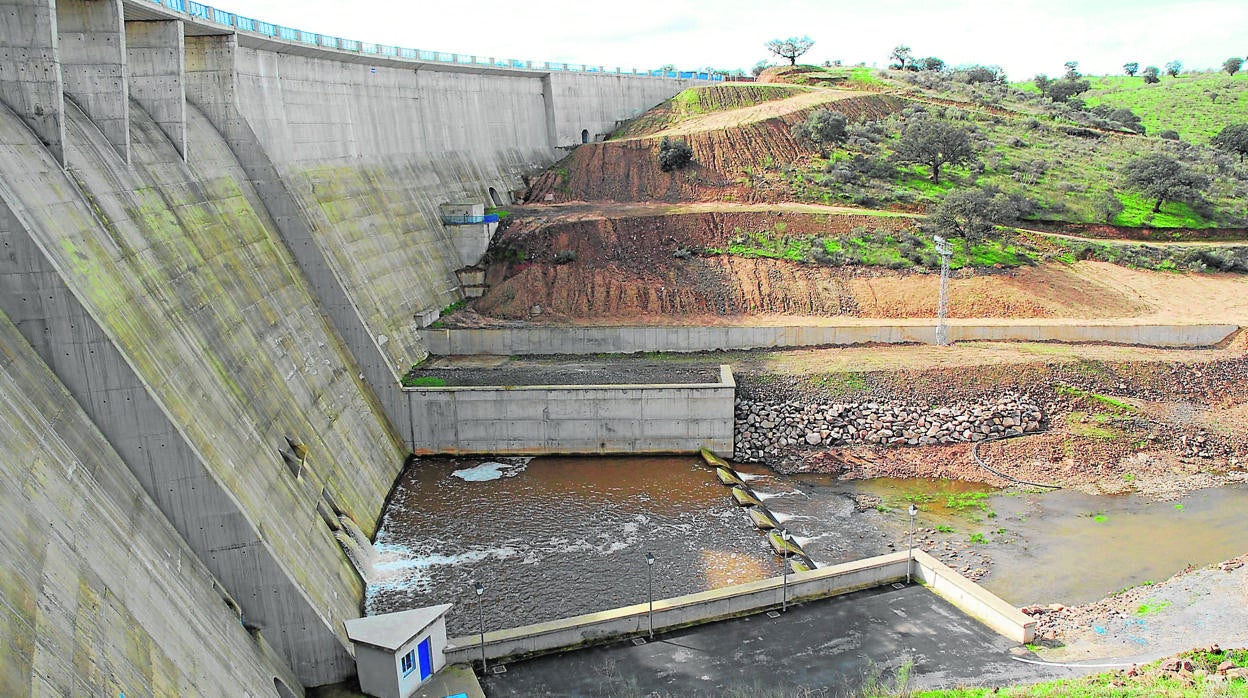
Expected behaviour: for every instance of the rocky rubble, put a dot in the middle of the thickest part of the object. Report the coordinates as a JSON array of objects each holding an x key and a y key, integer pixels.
[{"x": 768, "y": 428}]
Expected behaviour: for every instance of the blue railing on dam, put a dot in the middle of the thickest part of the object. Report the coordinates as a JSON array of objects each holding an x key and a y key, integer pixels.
[
  {"x": 298, "y": 36},
  {"x": 470, "y": 220}
]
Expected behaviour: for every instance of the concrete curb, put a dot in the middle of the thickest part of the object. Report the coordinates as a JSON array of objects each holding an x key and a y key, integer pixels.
[
  {"x": 627, "y": 340},
  {"x": 740, "y": 600}
]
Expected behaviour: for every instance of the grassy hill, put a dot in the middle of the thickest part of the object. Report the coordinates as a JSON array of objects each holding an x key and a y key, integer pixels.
[
  {"x": 1196, "y": 105},
  {"x": 704, "y": 100},
  {"x": 1065, "y": 163}
]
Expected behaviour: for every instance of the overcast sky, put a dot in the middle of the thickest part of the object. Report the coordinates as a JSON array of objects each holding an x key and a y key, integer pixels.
[{"x": 1023, "y": 37}]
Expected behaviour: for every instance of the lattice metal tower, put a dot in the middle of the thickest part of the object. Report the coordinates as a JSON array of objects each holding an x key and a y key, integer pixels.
[{"x": 944, "y": 249}]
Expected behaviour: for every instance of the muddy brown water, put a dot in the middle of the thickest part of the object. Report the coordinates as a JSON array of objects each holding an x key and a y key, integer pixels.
[{"x": 555, "y": 537}]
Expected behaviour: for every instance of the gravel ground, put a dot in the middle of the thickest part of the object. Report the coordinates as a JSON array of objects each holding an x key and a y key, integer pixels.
[{"x": 1195, "y": 608}]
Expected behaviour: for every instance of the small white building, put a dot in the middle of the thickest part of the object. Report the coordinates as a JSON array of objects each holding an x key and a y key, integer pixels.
[{"x": 396, "y": 652}]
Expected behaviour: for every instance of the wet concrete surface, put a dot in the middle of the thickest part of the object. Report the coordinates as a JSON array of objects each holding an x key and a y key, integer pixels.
[{"x": 820, "y": 648}]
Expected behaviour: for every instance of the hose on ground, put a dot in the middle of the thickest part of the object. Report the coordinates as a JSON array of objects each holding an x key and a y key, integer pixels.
[{"x": 1011, "y": 478}]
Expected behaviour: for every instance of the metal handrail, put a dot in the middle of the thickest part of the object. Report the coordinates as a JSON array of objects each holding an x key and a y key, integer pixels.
[
  {"x": 470, "y": 220},
  {"x": 276, "y": 31}
]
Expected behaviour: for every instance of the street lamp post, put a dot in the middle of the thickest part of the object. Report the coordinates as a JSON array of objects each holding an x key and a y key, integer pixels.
[
  {"x": 481, "y": 614},
  {"x": 910, "y": 560},
  {"x": 945, "y": 250},
  {"x": 650, "y": 589},
  {"x": 784, "y": 594}
]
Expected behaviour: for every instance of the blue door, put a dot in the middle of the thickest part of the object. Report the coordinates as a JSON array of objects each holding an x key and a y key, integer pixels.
[{"x": 426, "y": 659}]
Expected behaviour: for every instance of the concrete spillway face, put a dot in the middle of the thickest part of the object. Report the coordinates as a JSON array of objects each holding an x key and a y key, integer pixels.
[
  {"x": 779, "y": 545},
  {"x": 763, "y": 519},
  {"x": 358, "y": 547},
  {"x": 745, "y": 497},
  {"x": 728, "y": 476}
]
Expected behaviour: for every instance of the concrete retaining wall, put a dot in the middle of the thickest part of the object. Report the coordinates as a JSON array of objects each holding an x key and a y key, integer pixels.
[
  {"x": 514, "y": 420},
  {"x": 744, "y": 599},
  {"x": 627, "y": 340},
  {"x": 974, "y": 600},
  {"x": 370, "y": 149}
]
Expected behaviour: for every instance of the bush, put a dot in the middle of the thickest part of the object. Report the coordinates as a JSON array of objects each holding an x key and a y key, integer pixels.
[
  {"x": 824, "y": 128},
  {"x": 1169, "y": 134},
  {"x": 674, "y": 155},
  {"x": 565, "y": 256}
]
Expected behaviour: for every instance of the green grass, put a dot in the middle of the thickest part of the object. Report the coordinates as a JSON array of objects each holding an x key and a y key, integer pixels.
[
  {"x": 977, "y": 538},
  {"x": 1095, "y": 398},
  {"x": 962, "y": 501},
  {"x": 864, "y": 77},
  {"x": 1146, "y": 609},
  {"x": 765, "y": 244},
  {"x": 1138, "y": 212},
  {"x": 1117, "y": 684},
  {"x": 1208, "y": 101},
  {"x": 841, "y": 384},
  {"x": 697, "y": 101},
  {"x": 1095, "y": 428},
  {"x": 438, "y": 324},
  {"x": 423, "y": 382},
  {"x": 1031, "y": 154}
]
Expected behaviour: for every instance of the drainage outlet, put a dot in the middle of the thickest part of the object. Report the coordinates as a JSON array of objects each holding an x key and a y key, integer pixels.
[
  {"x": 498, "y": 669},
  {"x": 639, "y": 641},
  {"x": 773, "y": 614}
]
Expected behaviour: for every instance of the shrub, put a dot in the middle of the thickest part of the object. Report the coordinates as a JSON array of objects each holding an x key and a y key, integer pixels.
[
  {"x": 822, "y": 129},
  {"x": 674, "y": 155},
  {"x": 1169, "y": 134},
  {"x": 565, "y": 256}
]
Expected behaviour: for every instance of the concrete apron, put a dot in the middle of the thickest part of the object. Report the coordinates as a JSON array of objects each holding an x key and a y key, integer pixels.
[{"x": 742, "y": 600}]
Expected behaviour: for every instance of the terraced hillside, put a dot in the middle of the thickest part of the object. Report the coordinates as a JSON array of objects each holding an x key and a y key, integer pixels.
[
  {"x": 731, "y": 139},
  {"x": 759, "y": 224}
]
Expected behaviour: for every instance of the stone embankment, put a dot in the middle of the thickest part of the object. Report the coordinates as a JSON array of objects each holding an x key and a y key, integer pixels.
[{"x": 766, "y": 428}]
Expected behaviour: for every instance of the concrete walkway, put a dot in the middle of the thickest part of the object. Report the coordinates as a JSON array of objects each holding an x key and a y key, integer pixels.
[
  {"x": 830, "y": 647},
  {"x": 453, "y": 680}
]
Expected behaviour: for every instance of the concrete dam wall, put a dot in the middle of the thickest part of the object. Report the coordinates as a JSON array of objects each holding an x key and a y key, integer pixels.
[{"x": 216, "y": 247}]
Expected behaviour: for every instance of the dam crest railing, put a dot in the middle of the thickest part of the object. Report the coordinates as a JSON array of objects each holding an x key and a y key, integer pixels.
[{"x": 299, "y": 36}]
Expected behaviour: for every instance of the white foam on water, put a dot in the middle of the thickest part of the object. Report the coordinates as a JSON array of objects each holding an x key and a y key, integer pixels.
[
  {"x": 773, "y": 495},
  {"x": 398, "y": 568},
  {"x": 491, "y": 470}
]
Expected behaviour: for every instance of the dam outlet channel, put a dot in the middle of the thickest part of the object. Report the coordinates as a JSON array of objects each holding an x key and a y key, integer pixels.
[{"x": 552, "y": 537}]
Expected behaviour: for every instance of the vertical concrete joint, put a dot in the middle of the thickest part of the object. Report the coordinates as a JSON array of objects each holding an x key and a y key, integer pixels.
[
  {"x": 92, "y": 40},
  {"x": 156, "y": 60},
  {"x": 30, "y": 70},
  {"x": 210, "y": 75}
]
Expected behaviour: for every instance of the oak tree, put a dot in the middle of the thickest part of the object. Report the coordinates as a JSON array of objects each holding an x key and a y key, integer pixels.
[
  {"x": 1233, "y": 138},
  {"x": 934, "y": 143},
  {"x": 1163, "y": 178},
  {"x": 791, "y": 47}
]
